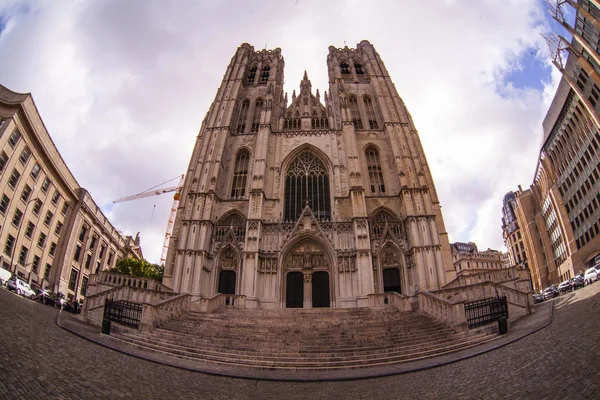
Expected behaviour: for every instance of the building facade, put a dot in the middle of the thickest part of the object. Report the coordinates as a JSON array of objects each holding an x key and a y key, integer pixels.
[
  {"x": 467, "y": 259},
  {"x": 560, "y": 212},
  {"x": 308, "y": 201},
  {"x": 51, "y": 232}
]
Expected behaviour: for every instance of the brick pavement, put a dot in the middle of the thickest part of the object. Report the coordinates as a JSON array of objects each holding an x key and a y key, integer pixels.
[{"x": 39, "y": 359}]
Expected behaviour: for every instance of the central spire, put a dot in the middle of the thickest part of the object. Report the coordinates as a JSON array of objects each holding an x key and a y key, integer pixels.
[{"x": 305, "y": 85}]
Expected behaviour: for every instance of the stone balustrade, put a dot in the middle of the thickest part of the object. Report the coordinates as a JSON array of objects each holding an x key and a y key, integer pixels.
[
  {"x": 218, "y": 301},
  {"x": 154, "y": 315},
  {"x": 391, "y": 299},
  {"x": 451, "y": 313},
  {"x": 112, "y": 279}
]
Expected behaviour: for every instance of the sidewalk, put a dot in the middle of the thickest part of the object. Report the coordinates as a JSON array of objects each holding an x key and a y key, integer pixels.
[{"x": 540, "y": 318}]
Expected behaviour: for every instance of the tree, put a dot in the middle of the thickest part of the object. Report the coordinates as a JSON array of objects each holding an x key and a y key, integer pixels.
[{"x": 141, "y": 268}]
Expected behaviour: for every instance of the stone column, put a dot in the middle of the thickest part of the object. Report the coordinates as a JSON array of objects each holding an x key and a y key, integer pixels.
[{"x": 307, "y": 289}]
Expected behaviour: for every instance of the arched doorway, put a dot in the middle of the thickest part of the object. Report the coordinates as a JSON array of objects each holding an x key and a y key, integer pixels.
[
  {"x": 391, "y": 280},
  {"x": 227, "y": 282},
  {"x": 320, "y": 289},
  {"x": 307, "y": 282},
  {"x": 294, "y": 293}
]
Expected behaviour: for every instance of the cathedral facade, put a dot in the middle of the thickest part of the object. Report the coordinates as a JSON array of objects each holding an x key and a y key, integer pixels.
[{"x": 308, "y": 201}]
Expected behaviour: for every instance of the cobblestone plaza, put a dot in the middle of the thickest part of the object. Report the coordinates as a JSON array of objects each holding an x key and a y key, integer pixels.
[{"x": 41, "y": 360}]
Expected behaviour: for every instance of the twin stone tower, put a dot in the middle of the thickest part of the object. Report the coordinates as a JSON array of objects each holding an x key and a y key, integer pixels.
[{"x": 310, "y": 201}]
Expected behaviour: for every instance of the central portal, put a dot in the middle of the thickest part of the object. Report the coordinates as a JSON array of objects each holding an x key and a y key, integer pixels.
[{"x": 307, "y": 281}]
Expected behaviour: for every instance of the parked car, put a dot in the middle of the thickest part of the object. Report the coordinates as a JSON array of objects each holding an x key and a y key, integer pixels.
[
  {"x": 20, "y": 287},
  {"x": 5, "y": 275},
  {"x": 565, "y": 287},
  {"x": 550, "y": 293},
  {"x": 538, "y": 298},
  {"x": 44, "y": 296},
  {"x": 591, "y": 275},
  {"x": 577, "y": 282}
]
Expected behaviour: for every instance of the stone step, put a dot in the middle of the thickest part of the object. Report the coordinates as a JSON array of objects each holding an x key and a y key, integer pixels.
[{"x": 303, "y": 364}]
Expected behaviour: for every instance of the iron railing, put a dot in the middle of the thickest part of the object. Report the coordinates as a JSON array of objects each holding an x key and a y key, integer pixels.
[
  {"x": 123, "y": 312},
  {"x": 483, "y": 312}
]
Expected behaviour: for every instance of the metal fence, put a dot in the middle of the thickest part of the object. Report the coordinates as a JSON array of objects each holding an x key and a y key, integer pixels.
[
  {"x": 123, "y": 312},
  {"x": 483, "y": 312}
]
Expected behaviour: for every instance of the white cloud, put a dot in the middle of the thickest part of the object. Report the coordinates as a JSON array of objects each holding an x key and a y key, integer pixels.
[{"x": 123, "y": 88}]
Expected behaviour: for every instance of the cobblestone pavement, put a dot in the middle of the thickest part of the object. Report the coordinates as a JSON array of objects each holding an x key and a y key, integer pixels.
[{"x": 41, "y": 360}]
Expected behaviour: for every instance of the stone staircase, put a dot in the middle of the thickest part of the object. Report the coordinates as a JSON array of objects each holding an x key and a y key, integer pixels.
[{"x": 303, "y": 339}]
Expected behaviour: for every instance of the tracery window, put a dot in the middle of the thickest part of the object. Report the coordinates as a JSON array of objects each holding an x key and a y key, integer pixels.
[
  {"x": 374, "y": 168},
  {"x": 380, "y": 220},
  {"x": 243, "y": 114},
  {"x": 359, "y": 69},
  {"x": 256, "y": 119},
  {"x": 371, "y": 116},
  {"x": 355, "y": 113},
  {"x": 307, "y": 182},
  {"x": 321, "y": 122},
  {"x": 264, "y": 76},
  {"x": 345, "y": 68},
  {"x": 251, "y": 75},
  {"x": 240, "y": 175}
]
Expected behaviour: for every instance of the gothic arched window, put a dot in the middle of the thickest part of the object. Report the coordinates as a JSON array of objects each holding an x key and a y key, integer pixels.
[
  {"x": 358, "y": 68},
  {"x": 240, "y": 174},
  {"x": 345, "y": 68},
  {"x": 307, "y": 181},
  {"x": 371, "y": 116},
  {"x": 356, "y": 119},
  {"x": 256, "y": 119},
  {"x": 374, "y": 168},
  {"x": 243, "y": 114},
  {"x": 264, "y": 76},
  {"x": 251, "y": 75}
]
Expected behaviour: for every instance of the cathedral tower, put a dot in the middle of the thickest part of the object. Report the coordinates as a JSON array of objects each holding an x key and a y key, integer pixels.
[{"x": 308, "y": 201}]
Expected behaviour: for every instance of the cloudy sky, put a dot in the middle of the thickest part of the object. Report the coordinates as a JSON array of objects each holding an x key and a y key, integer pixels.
[{"x": 123, "y": 86}]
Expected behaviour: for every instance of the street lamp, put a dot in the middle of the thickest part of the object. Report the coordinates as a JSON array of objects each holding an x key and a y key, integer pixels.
[{"x": 12, "y": 257}]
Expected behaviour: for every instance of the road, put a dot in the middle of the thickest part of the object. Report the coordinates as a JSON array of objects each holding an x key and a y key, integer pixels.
[{"x": 41, "y": 360}]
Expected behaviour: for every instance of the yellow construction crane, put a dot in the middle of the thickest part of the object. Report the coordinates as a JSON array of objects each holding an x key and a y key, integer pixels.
[{"x": 155, "y": 192}]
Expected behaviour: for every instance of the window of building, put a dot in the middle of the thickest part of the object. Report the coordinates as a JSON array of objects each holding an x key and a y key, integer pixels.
[
  {"x": 102, "y": 251},
  {"x": 77, "y": 253},
  {"x": 59, "y": 226},
  {"x": 14, "y": 138},
  {"x": 17, "y": 218},
  {"x": 48, "y": 218},
  {"x": 82, "y": 233},
  {"x": 73, "y": 278},
  {"x": 29, "y": 230},
  {"x": 84, "y": 283},
  {"x": 65, "y": 207},
  {"x": 88, "y": 261},
  {"x": 10, "y": 242},
  {"x": 371, "y": 117},
  {"x": 46, "y": 185},
  {"x": 37, "y": 207},
  {"x": 3, "y": 161},
  {"x": 98, "y": 264},
  {"x": 93, "y": 242},
  {"x": 307, "y": 183},
  {"x": 52, "y": 249},
  {"x": 242, "y": 116},
  {"x": 4, "y": 204},
  {"x": 35, "y": 265},
  {"x": 23, "y": 255},
  {"x": 25, "y": 155},
  {"x": 374, "y": 168},
  {"x": 111, "y": 257},
  {"x": 47, "y": 271},
  {"x": 55, "y": 197},
  {"x": 345, "y": 68},
  {"x": 26, "y": 193},
  {"x": 251, "y": 75},
  {"x": 256, "y": 119},
  {"x": 240, "y": 174},
  {"x": 42, "y": 239},
  {"x": 14, "y": 179},
  {"x": 355, "y": 113},
  {"x": 264, "y": 75},
  {"x": 35, "y": 171},
  {"x": 359, "y": 69}
]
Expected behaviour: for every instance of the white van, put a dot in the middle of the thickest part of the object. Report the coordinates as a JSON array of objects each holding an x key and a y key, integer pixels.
[{"x": 4, "y": 276}]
